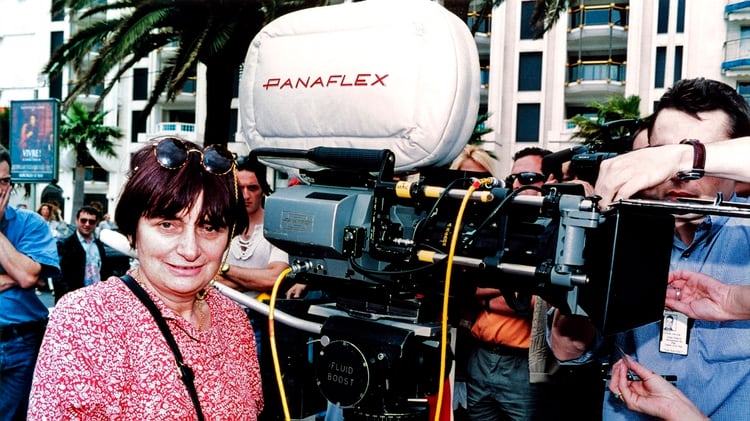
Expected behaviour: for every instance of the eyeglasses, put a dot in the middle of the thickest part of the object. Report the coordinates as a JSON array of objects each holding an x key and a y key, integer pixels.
[
  {"x": 525, "y": 178},
  {"x": 172, "y": 153},
  {"x": 87, "y": 221},
  {"x": 5, "y": 181}
]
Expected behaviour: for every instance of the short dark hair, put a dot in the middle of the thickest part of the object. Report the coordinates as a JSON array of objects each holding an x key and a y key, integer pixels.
[
  {"x": 531, "y": 151},
  {"x": 694, "y": 96},
  {"x": 554, "y": 168},
  {"x": 154, "y": 191},
  {"x": 251, "y": 163},
  {"x": 5, "y": 155},
  {"x": 90, "y": 210}
]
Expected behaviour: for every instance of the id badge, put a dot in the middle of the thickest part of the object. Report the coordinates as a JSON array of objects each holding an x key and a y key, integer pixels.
[{"x": 674, "y": 333}]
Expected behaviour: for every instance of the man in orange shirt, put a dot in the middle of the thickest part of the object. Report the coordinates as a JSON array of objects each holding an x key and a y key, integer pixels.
[{"x": 499, "y": 385}]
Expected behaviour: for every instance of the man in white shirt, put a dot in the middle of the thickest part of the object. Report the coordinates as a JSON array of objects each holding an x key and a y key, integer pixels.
[{"x": 253, "y": 264}]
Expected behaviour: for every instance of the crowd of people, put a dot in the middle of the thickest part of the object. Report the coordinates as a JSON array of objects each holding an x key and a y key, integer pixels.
[{"x": 160, "y": 342}]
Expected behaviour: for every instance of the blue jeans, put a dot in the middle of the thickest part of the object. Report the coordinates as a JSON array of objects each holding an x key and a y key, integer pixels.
[
  {"x": 498, "y": 388},
  {"x": 17, "y": 361}
]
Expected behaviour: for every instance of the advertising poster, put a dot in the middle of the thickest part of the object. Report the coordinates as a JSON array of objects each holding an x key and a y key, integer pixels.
[{"x": 33, "y": 140}]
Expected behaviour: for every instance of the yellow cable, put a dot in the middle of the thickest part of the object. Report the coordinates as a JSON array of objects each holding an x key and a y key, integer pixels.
[
  {"x": 446, "y": 293},
  {"x": 272, "y": 338}
]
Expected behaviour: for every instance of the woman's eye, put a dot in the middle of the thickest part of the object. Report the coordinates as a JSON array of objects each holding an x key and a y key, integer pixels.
[{"x": 211, "y": 228}]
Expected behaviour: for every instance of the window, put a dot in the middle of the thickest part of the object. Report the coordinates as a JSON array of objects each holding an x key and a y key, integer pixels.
[
  {"x": 59, "y": 15},
  {"x": 527, "y": 9},
  {"x": 662, "y": 24},
  {"x": 743, "y": 88},
  {"x": 233, "y": 123},
  {"x": 527, "y": 123},
  {"x": 677, "y": 63},
  {"x": 661, "y": 65},
  {"x": 530, "y": 72},
  {"x": 140, "y": 83},
  {"x": 680, "y": 16},
  {"x": 55, "y": 80},
  {"x": 744, "y": 50},
  {"x": 136, "y": 125}
]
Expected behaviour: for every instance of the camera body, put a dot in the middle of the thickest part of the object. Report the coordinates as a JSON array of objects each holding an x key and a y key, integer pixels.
[
  {"x": 381, "y": 248},
  {"x": 616, "y": 138}
]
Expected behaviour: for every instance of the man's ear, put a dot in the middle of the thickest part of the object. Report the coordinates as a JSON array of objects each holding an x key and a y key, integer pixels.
[{"x": 551, "y": 179}]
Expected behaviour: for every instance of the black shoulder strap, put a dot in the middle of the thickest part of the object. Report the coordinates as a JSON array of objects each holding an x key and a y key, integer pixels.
[{"x": 186, "y": 373}]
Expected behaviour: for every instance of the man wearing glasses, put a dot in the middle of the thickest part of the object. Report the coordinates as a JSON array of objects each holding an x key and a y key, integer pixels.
[
  {"x": 27, "y": 254},
  {"x": 82, "y": 255},
  {"x": 500, "y": 385},
  {"x": 528, "y": 170}
]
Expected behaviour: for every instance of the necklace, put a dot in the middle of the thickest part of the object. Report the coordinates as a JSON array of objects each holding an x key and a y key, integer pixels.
[
  {"x": 243, "y": 249},
  {"x": 198, "y": 304},
  {"x": 200, "y": 299}
]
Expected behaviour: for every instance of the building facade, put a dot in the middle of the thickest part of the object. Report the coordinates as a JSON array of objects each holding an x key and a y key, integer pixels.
[{"x": 530, "y": 87}]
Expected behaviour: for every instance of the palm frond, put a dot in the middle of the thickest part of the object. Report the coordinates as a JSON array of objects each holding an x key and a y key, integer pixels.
[
  {"x": 546, "y": 14},
  {"x": 141, "y": 51},
  {"x": 78, "y": 47}
]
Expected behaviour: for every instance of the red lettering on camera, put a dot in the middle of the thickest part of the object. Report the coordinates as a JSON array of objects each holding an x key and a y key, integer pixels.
[{"x": 360, "y": 79}]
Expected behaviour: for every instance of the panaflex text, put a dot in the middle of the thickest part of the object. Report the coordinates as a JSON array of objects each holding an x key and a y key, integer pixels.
[{"x": 360, "y": 79}]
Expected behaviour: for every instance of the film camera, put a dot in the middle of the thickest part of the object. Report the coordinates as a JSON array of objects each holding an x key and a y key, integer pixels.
[
  {"x": 616, "y": 138},
  {"x": 368, "y": 106},
  {"x": 380, "y": 248}
]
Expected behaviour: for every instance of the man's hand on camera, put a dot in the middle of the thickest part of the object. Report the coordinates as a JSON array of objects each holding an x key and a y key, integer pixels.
[{"x": 625, "y": 175}]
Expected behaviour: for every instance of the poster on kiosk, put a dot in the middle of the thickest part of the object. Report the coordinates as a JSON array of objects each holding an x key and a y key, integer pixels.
[{"x": 33, "y": 140}]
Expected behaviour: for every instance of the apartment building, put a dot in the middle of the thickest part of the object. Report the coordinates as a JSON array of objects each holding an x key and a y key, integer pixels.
[{"x": 531, "y": 87}]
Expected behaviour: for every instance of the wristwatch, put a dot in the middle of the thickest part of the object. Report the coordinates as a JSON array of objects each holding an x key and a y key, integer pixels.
[
  {"x": 224, "y": 268},
  {"x": 699, "y": 161}
]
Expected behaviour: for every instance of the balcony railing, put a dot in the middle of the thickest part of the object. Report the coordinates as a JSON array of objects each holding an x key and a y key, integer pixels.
[
  {"x": 608, "y": 14},
  {"x": 736, "y": 53},
  {"x": 475, "y": 17},
  {"x": 184, "y": 130},
  {"x": 596, "y": 70},
  {"x": 176, "y": 128}
]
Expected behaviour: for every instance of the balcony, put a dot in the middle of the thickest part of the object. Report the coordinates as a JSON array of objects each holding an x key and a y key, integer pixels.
[
  {"x": 183, "y": 130},
  {"x": 736, "y": 58},
  {"x": 598, "y": 28},
  {"x": 737, "y": 11},
  {"x": 587, "y": 81}
]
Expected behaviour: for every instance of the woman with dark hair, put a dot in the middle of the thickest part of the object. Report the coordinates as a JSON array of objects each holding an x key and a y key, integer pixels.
[{"x": 105, "y": 356}]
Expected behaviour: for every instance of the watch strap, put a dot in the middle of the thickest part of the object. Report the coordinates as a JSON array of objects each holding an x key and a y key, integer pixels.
[{"x": 699, "y": 161}]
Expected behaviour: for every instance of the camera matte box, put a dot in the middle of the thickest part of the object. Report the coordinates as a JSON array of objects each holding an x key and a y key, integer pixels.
[
  {"x": 627, "y": 260},
  {"x": 380, "y": 74}
]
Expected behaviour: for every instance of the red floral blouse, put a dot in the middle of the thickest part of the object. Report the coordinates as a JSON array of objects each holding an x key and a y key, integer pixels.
[{"x": 104, "y": 357}]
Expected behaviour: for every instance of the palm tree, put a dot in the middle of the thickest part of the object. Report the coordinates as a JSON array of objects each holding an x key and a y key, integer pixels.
[
  {"x": 81, "y": 130},
  {"x": 546, "y": 13},
  {"x": 595, "y": 132},
  {"x": 216, "y": 33}
]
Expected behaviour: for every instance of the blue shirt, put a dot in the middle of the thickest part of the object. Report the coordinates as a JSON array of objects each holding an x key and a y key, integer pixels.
[
  {"x": 30, "y": 235},
  {"x": 715, "y": 374}
]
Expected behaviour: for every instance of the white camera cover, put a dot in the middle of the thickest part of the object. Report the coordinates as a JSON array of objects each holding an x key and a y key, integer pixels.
[{"x": 380, "y": 74}]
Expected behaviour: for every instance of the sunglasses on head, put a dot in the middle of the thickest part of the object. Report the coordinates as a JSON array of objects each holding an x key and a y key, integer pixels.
[
  {"x": 172, "y": 153},
  {"x": 525, "y": 178}
]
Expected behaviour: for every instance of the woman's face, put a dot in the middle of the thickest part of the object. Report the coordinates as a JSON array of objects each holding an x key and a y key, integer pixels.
[
  {"x": 179, "y": 256},
  {"x": 44, "y": 211}
]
